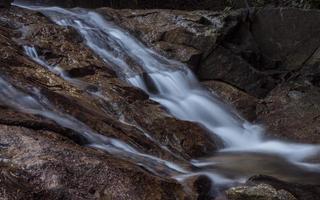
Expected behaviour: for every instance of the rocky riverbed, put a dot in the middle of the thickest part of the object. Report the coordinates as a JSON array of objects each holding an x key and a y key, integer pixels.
[{"x": 265, "y": 63}]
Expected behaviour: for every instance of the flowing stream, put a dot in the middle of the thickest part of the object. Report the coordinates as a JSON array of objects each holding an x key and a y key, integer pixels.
[{"x": 174, "y": 86}]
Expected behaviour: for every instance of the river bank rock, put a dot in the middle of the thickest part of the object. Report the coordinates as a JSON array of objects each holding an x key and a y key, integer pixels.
[
  {"x": 298, "y": 190},
  {"x": 269, "y": 188},
  {"x": 292, "y": 111},
  {"x": 258, "y": 192}
]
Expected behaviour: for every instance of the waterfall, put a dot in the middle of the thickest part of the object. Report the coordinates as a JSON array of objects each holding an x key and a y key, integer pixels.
[{"x": 172, "y": 85}]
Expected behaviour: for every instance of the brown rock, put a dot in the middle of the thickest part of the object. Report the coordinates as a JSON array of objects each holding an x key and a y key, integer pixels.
[
  {"x": 42, "y": 164},
  {"x": 223, "y": 64},
  {"x": 185, "y": 36},
  {"x": 244, "y": 103},
  {"x": 292, "y": 111},
  {"x": 298, "y": 190},
  {"x": 258, "y": 192}
]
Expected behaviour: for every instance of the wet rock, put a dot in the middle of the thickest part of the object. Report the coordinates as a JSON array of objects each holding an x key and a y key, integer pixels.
[
  {"x": 298, "y": 190},
  {"x": 43, "y": 164},
  {"x": 177, "y": 135},
  {"x": 91, "y": 70},
  {"x": 216, "y": 45},
  {"x": 292, "y": 111},
  {"x": 204, "y": 187},
  {"x": 258, "y": 192},
  {"x": 229, "y": 46},
  {"x": 185, "y": 36},
  {"x": 244, "y": 103},
  {"x": 223, "y": 64},
  {"x": 287, "y": 35}
]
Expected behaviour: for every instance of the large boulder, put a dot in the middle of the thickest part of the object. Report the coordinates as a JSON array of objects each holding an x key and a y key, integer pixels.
[
  {"x": 258, "y": 192},
  {"x": 300, "y": 191},
  {"x": 292, "y": 111},
  {"x": 261, "y": 187}
]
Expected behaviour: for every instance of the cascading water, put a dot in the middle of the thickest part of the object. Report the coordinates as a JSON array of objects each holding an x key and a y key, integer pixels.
[
  {"x": 38, "y": 105},
  {"x": 175, "y": 88},
  {"x": 171, "y": 84}
]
